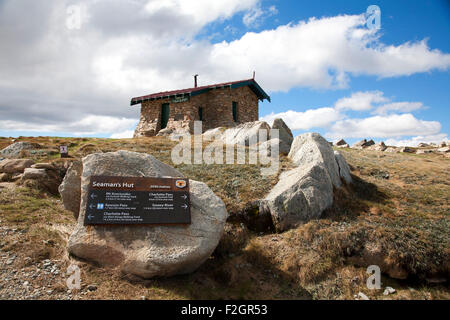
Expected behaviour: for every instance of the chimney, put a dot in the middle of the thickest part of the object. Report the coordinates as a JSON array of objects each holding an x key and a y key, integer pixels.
[{"x": 195, "y": 81}]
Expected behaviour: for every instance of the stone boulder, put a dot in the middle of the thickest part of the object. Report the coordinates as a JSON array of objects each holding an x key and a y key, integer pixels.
[
  {"x": 213, "y": 134},
  {"x": 443, "y": 150},
  {"x": 378, "y": 147},
  {"x": 148, "y": 251},
  {"x": 313, "y": 148},
  {"x": 423, "y": 145},
  {"x": 244, "y": 133},
  {"x": 267, "y": 145},
  {"x": 406, "y": 150},
  {"x": 14, "y": 150},
  {"x": 341, "y": 143},
  {"x": 15, "y": 165},
  {"x": 344, "y": 169},
  {"x": 34, "y": 174},
  {"x": 164, "y": 132},
  {"x": 424, "y": 151},
  {"x": 70, "y": 188},
  {"x": 284, "y": 133},
  {"x": 363, "y": 144},
  {"x": 173, "y": 133},
  {"x": 392, "y": 150},
  {"x": 42, "y": 176},
  {"x": 303, "y": 193},
  {"x": 300, "y": 195}
]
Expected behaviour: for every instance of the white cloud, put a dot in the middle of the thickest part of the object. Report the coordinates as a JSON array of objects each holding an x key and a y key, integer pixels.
[
  {"x": 53, "y": 75},
  {"x": 312, "y": 118},
  {"x": 396, "y": 125},
  {"x": 252, "y": 16},
  {"x": 360, "y": 101},
  {"x": 123, "y": 135},
  {"x": 90, "y": 125},
  {"x": 399, "y": 107},
  {"x": 414, "y": 141},
  {"x": 200, "y": 12},
  {"x": 321, "y": 53},
  {"x": 255, "y": 16}
]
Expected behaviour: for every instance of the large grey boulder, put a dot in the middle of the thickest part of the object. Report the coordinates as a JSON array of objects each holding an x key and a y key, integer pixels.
[
  {"x": 363, "y": 144},
  {"x": 378, "y": 147},
  {"x": 443, "y": 149},
  {"x": 245, "y": 133},
  {"x": 70, "y": 188},
  {"x": 148, "y": 251},
  {"x": 14, "y": 150},
  {"x": 303, "y": 193},
  {"x": 284, "y": 133},
  {"x": 283, "y": 147},
  {"x": 15, "y": 165},
  {"x": 300, "y": 195},
  {"x": 313, "y": 148},
  {"x": 44, "y": 177},
  {"x": 213, "y": 134},
  {"x": 34, "y": 174},
  {"x": 344, "y": 169}
]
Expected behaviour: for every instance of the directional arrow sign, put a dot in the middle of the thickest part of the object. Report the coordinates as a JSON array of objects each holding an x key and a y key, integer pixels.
[{"x": 137, "y": 200}]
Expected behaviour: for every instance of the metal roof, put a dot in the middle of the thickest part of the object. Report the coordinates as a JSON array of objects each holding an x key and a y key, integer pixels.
[{"x": 251, "y": 83}]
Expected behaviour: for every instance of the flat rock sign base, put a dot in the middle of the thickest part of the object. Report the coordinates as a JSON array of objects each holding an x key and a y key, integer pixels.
[
  {"x": 146, "y": 251},
  {"x": 132, "y": 200}
]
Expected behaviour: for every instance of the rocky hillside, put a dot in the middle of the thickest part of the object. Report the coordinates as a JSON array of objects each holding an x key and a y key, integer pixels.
[{"x": 394, "y": 214}]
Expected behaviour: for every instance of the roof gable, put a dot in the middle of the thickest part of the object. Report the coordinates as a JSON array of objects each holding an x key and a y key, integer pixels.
[{"x": 251, "y": 83}]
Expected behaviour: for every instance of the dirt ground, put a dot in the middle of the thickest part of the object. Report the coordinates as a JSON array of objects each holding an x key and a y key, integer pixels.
[{"x": 395, "y": 214}]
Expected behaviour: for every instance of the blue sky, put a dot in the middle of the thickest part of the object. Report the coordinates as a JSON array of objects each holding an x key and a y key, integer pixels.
[{"x": 70, "y": 68}]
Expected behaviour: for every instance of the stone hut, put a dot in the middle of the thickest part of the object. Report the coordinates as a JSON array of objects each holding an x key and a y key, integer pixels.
[{"x": 218, "y": 105}]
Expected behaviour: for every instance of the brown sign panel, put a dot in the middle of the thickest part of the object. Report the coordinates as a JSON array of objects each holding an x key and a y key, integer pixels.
[{"x": 134, "y": 200}]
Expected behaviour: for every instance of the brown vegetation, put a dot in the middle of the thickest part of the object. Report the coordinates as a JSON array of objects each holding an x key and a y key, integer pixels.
[{"x": 396, "y": 215}]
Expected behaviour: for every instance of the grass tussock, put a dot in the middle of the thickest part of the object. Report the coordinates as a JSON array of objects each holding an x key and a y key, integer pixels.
[{"x": 395, "y": 215}]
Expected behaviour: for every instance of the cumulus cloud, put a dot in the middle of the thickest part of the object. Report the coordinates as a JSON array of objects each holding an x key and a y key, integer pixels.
[
  {"x": 312, "y": 118},
  {"x": 52, "y": 74},
  {"x": 87, "y": 126},
  {"x": 255, "y": 16},
  {"x": 414, "y": 141},
  {"x": 399, "y": 107},
  {"x": 123, "y": 135},
  {"x": 360, "y": 101},
  {"x": 396, "y": 125}
]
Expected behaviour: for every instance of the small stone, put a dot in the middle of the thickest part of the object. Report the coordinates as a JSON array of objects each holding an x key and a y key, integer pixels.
[
  {"x": 388, "y": 291},
  {"x": 362, "y": 296}
]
